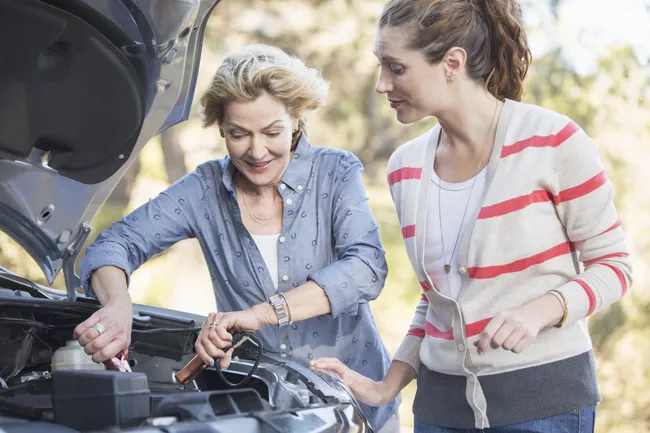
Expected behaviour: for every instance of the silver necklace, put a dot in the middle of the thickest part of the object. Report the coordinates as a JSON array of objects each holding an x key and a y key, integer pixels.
[{"x": 447, "y": 266}]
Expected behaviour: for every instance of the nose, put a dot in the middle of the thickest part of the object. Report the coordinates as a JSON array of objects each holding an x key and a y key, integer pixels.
[
  {"x": 384, "y": 83},
  {"x": 257, "y": 148}
]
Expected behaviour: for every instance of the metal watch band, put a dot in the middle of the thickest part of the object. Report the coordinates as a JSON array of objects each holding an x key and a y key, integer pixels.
[{"x": 277, "y": 302}]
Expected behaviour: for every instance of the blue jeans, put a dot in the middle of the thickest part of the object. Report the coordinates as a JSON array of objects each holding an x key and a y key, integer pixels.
[{"x": 576, "y": 421}]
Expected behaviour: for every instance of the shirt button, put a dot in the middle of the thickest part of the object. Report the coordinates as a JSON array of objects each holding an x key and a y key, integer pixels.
[
  {"x": 283, "y": 186},
  {"x": 283, "y": 346},
  {"x": 289, "y": 201},
  {"x": 461, "y": 347},
  {"x": 462, "y": 270},
  {"x": 299, "y": 187},
  {"x": 283, "y": 355},
  {"x": 282, "y": 239},
  {"x": 285, "y": 278}
]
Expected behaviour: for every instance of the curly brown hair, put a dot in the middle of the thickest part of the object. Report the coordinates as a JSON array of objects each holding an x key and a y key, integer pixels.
[{"x": 490, "y": 31}]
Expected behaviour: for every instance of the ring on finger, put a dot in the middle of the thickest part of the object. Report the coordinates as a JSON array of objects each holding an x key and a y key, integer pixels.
[
  {"x": 99, "y": 328},
  {"x": 213, "y": 325}
]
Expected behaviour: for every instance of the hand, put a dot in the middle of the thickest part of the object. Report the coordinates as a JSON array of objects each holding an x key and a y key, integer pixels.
[
  {"x": 517, "y": 328},
  {"x": 214, "y": 335},
  {"x": 364, "y": 389},
  {"x": 116, "y": 317}
]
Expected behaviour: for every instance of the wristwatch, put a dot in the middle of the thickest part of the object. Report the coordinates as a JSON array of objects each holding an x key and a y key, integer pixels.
[{"x": 277, "y": 302}]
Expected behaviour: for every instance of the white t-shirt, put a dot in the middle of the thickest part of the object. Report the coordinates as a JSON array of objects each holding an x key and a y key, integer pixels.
[
  {"x": 453, "y": 199},
  {"x": 268, "y": 246}
]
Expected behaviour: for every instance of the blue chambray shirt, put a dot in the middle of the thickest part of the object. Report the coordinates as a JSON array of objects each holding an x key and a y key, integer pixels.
[{"x": 329, "y": 235}]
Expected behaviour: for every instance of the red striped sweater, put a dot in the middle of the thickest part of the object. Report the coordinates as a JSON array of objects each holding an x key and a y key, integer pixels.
[{"x": 547, "y": 207}]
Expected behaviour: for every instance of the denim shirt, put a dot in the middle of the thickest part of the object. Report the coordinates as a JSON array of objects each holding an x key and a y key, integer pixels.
[{"x": 329, "y": 235}]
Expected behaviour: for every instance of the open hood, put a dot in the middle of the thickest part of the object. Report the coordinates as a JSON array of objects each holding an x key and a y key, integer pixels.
[{"x": 84, "y": 85}]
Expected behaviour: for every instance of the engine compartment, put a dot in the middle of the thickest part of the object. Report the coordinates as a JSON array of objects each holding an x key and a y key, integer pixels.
[{"x": 280, "y": 394}]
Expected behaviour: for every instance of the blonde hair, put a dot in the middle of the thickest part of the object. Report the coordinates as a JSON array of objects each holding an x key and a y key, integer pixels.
[{"x": 247, "y": 73}]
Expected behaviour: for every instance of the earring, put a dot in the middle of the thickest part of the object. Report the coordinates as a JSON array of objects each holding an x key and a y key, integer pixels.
[
  {"x": 449, "y": 79},
  {"x": 221, "y": 132}
]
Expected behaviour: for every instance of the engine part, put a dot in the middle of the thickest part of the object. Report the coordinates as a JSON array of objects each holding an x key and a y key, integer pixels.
[
  {"x": 72, "y": 357},
  {"x": 94, "y": 400}
]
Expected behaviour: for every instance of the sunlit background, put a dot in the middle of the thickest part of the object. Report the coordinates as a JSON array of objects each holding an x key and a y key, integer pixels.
[{"x": 591, "y": 62}]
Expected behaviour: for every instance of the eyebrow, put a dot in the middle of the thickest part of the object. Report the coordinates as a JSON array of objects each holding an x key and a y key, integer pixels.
[
  {"x": 388, "y": 58},
  {"x": 234, "y": 125}
]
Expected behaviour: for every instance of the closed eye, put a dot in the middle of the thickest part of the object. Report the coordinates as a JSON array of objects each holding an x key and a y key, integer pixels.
[{"x": 236, "y": 136}]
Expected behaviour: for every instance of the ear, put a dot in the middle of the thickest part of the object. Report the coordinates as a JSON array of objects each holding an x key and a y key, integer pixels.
[{"x": 453, "y": 62}]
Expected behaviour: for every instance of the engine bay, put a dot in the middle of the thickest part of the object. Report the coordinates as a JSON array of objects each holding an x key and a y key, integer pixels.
[{"x": 282, "y": 394}]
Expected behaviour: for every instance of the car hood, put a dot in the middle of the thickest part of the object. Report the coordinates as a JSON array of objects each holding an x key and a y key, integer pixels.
[{"x": 84, "y": 85}]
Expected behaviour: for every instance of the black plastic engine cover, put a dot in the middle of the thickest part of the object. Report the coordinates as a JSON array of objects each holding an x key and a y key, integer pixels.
[
  {"x": 211, "y": 405},
  {"x": 95, "y": 400}
]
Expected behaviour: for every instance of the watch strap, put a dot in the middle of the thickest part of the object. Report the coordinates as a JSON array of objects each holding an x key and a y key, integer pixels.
[{"x": 277, "y": 302}]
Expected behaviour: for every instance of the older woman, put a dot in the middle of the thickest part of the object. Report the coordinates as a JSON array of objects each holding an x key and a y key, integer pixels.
[{"x": 285, "y": 227}]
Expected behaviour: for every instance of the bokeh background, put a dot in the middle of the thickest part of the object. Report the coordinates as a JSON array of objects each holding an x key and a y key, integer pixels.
[{"x": 591, "y": 62}]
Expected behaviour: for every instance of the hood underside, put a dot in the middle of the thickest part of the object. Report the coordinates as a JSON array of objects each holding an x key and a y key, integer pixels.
[{"x": 84, "y": 85}]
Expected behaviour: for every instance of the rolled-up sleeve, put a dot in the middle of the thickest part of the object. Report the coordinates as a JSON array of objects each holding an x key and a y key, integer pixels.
[
  {"x": 359, "y": 273},
  {"x": 142, "y": 234}
]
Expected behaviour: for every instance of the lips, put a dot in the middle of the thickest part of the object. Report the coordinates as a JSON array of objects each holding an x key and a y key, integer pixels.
[
  {"x": 394, "y": 103},
  {"x": 258, "y": 167}
]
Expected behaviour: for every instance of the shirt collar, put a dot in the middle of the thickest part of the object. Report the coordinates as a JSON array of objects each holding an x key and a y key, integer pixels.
[
  {"x": 299, "y": 169},
  {"x": 296, "y": 175}
]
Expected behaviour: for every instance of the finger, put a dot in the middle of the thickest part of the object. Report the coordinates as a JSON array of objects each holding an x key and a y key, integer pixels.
[
  {"x": 522, "y": 344},
  {"x": 212, "y": 350},
  {"x": 209, "y": 320},
  {"x": 328, "y": 363},
  {"x": 331, "y": 372},
  {"x": 514, "y": 338},
  {"x": 85, "y": 325},
  {"x": 97, "y": 344},
  {"x": 205, "y": 357},
  {"x": 221, "y": 330},
  {"x": 108, "y": 351},
  {"x": 333, "y": 367},
  {"x": 217, "y": 341},
  {"x": 501, "y": 335},
  {"x": 87, "y": 336},
  {"x": 488, "y": 333}
]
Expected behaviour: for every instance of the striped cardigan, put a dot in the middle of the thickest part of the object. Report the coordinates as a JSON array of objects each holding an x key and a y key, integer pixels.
[{"x": 547, "y": 207}]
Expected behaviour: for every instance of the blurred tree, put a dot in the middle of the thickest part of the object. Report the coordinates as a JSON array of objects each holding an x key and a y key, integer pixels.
[{"x": 173, "y": 154}]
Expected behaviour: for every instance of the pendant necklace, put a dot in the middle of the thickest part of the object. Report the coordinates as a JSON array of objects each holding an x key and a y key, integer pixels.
[{"x": 447, "y": 266}]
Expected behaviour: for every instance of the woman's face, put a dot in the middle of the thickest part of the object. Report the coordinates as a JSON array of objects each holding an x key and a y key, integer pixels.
[
  {"x": 258, "y": 138},
  {"x": 415, "y": 88}
]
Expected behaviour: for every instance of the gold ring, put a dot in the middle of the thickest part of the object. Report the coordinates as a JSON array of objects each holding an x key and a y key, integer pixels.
[{"x": 213, "y": 325}]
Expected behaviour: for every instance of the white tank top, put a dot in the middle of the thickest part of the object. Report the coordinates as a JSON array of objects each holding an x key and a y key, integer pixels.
[
  {"x": 268, "y": 246},
  {"x": 453, "y": 200}
]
